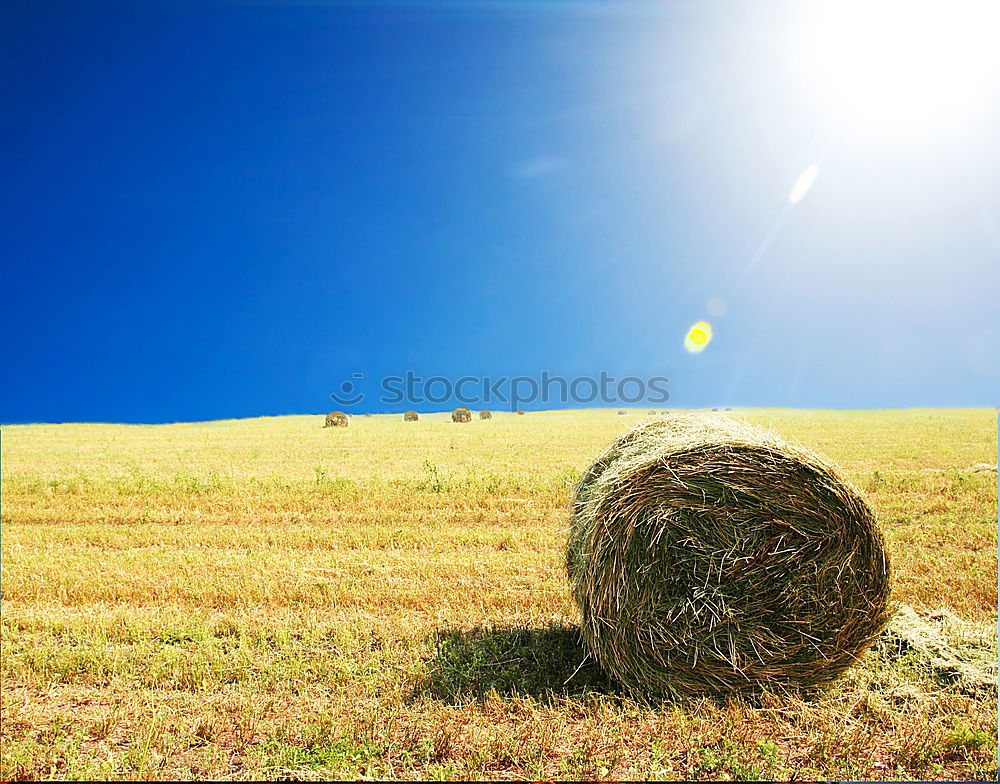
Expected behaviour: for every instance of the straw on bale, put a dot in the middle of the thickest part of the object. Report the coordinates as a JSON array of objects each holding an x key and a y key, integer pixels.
[
  {"x": 461, "y": 415},
  {"x": 485, "y": 414},
  {"x": 337, "y": 419},
  {"x": 708, "y": 555},
  {"x": 410, "y": 416}
]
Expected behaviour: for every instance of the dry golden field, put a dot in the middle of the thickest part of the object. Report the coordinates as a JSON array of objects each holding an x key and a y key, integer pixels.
[{"x": 268, "y": 598}]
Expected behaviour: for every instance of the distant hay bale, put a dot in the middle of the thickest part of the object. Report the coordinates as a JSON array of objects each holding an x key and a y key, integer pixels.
[
  {"x": 622, "y": 412},
  {"x": 485, "y": 414},
  {"x": 410, "y": 416},
  {"x": 337, "y": 419},
  {"x": 461, "y": 415},
  {"x": 520, "y": 412},
  {"x": 708, "y": 555}
]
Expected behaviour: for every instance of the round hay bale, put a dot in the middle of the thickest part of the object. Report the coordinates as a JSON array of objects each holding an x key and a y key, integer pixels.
[
  {"x": 520, "y": 412},
  {"x": 461, "y": 415},
  {"x": 337, "y": 419},
  {"x": 410, "y": 416},
  {"x": 622, "y": 412},
  {"x": 708, "y": 555},
  {"x": 485, "y": 414}
]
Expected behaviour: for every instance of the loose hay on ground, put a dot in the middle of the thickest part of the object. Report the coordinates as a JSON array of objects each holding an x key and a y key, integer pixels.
[
  {"x": 708, "y": 555},
  {"x": 954, "y": 651}
]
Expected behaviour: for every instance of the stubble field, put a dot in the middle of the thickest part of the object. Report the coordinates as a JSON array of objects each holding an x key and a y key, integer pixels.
[{"x": 267, "y": 598}]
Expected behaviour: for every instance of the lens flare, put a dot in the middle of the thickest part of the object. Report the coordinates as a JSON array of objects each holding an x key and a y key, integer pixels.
[
  {"x": 803, "y": 184},
  {"x": 699, "y": 336},
  {"x": 716, "y": 306}
]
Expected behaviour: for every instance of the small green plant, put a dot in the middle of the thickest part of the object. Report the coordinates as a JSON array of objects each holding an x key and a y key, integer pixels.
[
  {"x": 433, "y": 481},
  {"x": 741, "y": 763},
  {"x": 965, "y": 738}
]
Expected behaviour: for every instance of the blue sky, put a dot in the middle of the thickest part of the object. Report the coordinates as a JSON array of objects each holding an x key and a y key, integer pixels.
[{"x": 223, "y": 209}]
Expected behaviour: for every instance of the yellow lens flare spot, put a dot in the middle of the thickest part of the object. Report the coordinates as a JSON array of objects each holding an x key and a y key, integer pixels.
[{"x": 699, "y": 336}]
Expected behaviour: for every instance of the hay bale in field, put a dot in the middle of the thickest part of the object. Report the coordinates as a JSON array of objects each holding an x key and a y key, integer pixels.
[
  {"x": 410, "y": 416},
  {"x": 461, "y": 415},
  {"x": 485, "y": 414},
  {"x": 708, "y": 555},
  {"x": 337, "y": 419},
  {"x": 622, "y": 412},
  {"x": 520, "y": 412}
]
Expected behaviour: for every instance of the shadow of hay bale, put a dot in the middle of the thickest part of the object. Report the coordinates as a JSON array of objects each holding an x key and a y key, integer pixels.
[
  {"x": 547, "y": 663},
  {"x": 513, "y": 661}
]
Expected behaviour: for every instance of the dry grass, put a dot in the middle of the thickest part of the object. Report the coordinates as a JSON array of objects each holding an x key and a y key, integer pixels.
[{"x": 252, "y": 599}]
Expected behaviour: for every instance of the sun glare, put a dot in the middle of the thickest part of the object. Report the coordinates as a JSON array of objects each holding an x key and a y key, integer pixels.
[
  {"x": 898, "y": 66},
  {"x": 699, "y": 336}
]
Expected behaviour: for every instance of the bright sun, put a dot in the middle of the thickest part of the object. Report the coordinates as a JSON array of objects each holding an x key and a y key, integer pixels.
[{"x": 898, "y": 66}]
